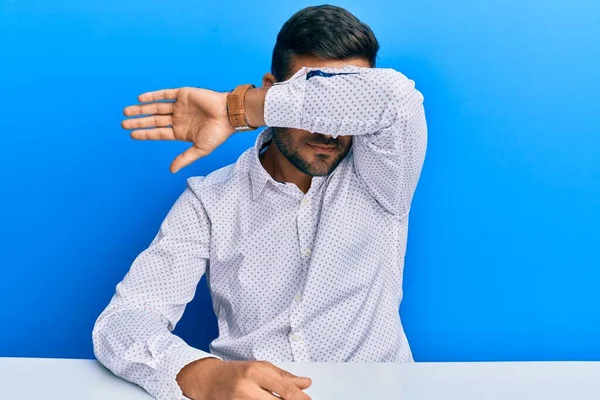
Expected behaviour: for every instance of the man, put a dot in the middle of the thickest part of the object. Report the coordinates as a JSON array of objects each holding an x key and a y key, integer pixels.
[{"x": 302, "y": 243}]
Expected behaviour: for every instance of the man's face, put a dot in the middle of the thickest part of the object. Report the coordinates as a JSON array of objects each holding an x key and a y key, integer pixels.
[{"x": 315, "y": 154}]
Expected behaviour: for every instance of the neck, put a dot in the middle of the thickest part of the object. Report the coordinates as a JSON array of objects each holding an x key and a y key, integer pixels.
[{"x": 280, "y": 169}]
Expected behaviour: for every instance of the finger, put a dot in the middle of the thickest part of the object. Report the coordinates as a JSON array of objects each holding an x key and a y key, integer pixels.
[
  {"x": 186, "y": 158},
  {"x": 261, "y": 394},
  {"x": 302, "y": 382},
  {"x": 152, "y": 108},
  {"x": 154, "y": 134},
  {"x": 285, "y": 387},
  {"x": 163, "y": 94},
  {"x": 147, "y": 122}
]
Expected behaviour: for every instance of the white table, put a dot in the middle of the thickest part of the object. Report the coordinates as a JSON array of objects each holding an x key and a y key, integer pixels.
[{"x": 64, "y": 379}]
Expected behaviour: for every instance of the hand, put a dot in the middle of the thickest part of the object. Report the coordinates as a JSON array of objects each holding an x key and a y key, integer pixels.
[
  {"x": 213, "y": 379},
  {"x": 197, "y": 115}
]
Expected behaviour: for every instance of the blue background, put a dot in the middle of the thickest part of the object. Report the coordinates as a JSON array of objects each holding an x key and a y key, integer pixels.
[{"x": 502, "y": 260}]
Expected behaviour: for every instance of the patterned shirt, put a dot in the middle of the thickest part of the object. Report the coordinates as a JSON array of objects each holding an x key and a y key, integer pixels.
[{"x": 293, "y": 276}]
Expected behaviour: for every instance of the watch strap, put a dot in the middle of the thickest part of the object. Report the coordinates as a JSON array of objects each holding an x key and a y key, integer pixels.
[{"x": 235, "y": 108}]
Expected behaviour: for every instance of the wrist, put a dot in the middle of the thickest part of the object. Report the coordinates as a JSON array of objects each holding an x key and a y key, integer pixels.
[
  {"x": 254, "y": 104},
  {"x": 193, "y": 377}
]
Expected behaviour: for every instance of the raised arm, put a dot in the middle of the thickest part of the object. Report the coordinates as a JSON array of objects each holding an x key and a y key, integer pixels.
[
  {"x": 380, "y": 107},
  {"x": 132, "y": 337}
]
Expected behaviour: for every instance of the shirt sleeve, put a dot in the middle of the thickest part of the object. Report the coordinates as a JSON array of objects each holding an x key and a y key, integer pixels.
[
  {"x": 380, "y": 107},
  {"x": 132, "y": 336}
]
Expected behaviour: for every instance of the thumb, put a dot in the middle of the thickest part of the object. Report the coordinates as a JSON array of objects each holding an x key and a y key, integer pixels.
[{"x": 186, "y": 158}]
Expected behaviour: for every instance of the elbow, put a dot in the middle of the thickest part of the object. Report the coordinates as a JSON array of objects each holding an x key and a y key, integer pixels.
[
  {"x": 99, "y": 340},
  {"x": 403, "y": 100},
  {"x": 401, "y": 90},
  {"x": 96, "y": 339}
]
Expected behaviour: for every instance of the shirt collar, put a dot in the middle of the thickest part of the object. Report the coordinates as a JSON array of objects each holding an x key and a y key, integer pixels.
[{"x": 258, "y": 175}]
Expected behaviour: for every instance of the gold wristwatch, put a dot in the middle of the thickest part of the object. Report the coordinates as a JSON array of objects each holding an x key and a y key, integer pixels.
[{"x": 235, "y": 108}]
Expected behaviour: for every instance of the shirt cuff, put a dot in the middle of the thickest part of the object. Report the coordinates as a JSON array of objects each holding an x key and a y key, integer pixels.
[{"x": 283, "y": 104}]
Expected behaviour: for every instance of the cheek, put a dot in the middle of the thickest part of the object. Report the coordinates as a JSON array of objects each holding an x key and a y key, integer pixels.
[
  {"x": 346, "y": 143},
  {"x": 300, "y": 138}
]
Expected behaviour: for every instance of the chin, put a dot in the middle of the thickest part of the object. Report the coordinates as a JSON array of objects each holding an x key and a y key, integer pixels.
[{"x": 321, "y": 171}]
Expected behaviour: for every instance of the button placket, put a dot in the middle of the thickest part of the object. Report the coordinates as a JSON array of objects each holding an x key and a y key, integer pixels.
[
  {"x": 304, "y": 228},
  {"x": 296, "y": 315},
  {"x": 298, "y": 345},
  {"x": 305, "y": 233}
]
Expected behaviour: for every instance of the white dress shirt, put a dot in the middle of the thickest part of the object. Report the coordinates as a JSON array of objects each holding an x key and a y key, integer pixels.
[{"x": 292, "y": 276}]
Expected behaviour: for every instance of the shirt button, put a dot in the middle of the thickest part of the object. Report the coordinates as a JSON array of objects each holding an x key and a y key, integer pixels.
[
  {"x": 298, "y": 296},
  {"x": 305, "y": 200},
  {"x": 295, "y": 338},
  {"x": 307, "y": 252}
]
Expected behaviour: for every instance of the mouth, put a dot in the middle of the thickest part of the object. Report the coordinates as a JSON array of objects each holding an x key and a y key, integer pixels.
[{"x": 322, "y": 149}]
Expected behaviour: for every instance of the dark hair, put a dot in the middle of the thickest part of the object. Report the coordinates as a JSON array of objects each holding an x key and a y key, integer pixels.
[{"x": 326, "y": 31}]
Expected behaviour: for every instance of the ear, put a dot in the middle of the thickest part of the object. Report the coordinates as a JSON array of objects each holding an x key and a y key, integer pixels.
[{"x": 268, "y": 79}]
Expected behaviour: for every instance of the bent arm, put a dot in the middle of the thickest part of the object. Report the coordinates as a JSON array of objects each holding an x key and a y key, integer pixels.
[
  {"x": 132, "y": 336},
  {"x": 380, "y": 107}
]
